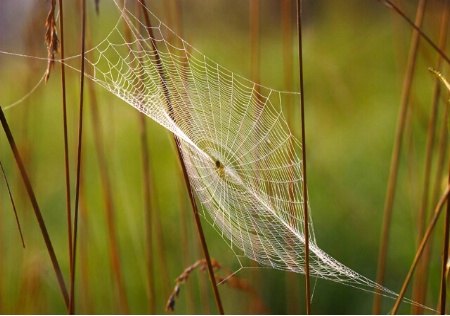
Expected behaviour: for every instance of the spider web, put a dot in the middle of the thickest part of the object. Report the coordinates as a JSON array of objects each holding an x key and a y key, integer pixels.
[{"x": 242, "y": 159}]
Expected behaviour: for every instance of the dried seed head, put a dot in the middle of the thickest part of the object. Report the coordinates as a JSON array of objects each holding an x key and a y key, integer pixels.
[{"x": 51, "y": 39}]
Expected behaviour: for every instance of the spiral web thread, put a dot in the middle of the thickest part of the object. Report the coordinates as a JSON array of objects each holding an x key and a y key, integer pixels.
[{"x": 242, "y": 160}]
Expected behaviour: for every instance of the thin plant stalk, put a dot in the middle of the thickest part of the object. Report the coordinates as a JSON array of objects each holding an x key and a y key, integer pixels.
[
  {"x": 443, "y": 148},
  {"x": 109, "y": 203},
  {"x": 174, "y": 11},
  {"x": 255, "y": 55},
  {"x": 146, "y": 177},
  {"x": 288, "y": 58},
  {"x": 66, "y": 142},
  {"x": 36, "y": 208},
  {"x": 85, "y": 281},
  {"x": 443, "y": 289},
  {"x": 393, "y": 170},
  {"x": 78, "y": 171},
  {"x": 180, "y": 156},
  {"x": 188, "y": 244},
  {"x": 417, "y": 28},
  {"x": 419, "y": 252},
  {"x": 255, "y": 61},
  {"x": 305, "y": 192},
  {"x": 148, "y": 213},
  {"x": 13, "y": 204},
  {"x": 420, "y": 283}
]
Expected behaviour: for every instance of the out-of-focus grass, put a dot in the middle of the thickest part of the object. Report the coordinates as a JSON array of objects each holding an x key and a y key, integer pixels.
[{"x": 353, "y": 71}]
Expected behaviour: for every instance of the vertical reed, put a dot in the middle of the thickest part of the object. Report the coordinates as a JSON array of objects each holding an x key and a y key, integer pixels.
[
  {"x": 288, "y": 77},
  {"x": 180, "y": 156},
  {"x": 444, "y": 265},
  {"x": 148, "y": 212},
  {"x": 420, "y": 282},
  {"x": 79, "y": 147},
  {"x": 66, "y": 142},
  {"x": 393, "y": 170},
  {"x": 174, "y": 15},
  {"x": 305, "y": 192},
  {"x": 147, "y": 197},
  {"x": 36, "y": 208},
  {"x": 107, "y": 192},
  {"x": 421, "y": 248}
]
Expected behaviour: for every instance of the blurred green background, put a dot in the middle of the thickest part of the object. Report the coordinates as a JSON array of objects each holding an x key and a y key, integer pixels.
[{"x": 354, "y": 57}]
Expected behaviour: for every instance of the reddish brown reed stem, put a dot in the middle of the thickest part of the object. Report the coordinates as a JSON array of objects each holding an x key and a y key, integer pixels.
[
  {"x": 13, "y": 204},
  {"x": 393, "y": 170},
  {"x": 419, "y": 252},
  {"x": 148, "y": 213},
  {"x": 292, "y": 284},
  {"x": 305, "y": 191},
  {"x": 85, "y": 282},
  {"x": 36, "y": 208},
  {"x": 66, "y": 142},
  {"x": 417, "y": 28},
  {"x": 146, "y": 175},
  {"x": 443, "y": 289},
  {"x": 174, "y": 15},
  {"x": 107, "y": 193},
  {"x": 180, "y": 156},
  {"x": 420, "y": 282},
  {"x": 255, "y": 65},
  {"x": 80, "y": 134},
  {"x": 255, "y": 55}
]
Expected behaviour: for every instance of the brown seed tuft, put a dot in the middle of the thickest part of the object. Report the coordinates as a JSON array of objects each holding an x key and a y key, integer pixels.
[{"x": 51, "y": 39}]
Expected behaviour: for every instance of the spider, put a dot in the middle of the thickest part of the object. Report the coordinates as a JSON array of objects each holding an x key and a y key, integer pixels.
[{"x": 220, "y": 169}]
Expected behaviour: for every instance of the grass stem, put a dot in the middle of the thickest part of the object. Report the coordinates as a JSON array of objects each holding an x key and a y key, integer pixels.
[
  {"x": 393, "y": 170},
  {"x": 36, "y": 208},
  {"x": 13, "y": 204},
  {"x": 443, "y": 289},
  {"x": 66, "y": 142},
  {"x": 78, "y": 171},
  {"x": 305, "y": 192},
  {"x": 417, "y": 28},
  {"x": 420, "y": 282},
  {"x": 180, "y": 156},
  {"x": 419, "y": 252}
]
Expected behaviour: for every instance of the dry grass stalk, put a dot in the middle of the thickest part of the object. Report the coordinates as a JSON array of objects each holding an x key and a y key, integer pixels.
[
  {"x": 420, "y": 283},
  {"x": 107, "y": 192},
  {"x": 181, "y": 160},
  {"x": 417, "y": 28},
  {"x": 232, "y": 281},
  {"x": 79, "y": 147},
  {"x": 66, "y": 142},
  {"x": 421, "y": 248},
  {"x": 12, "y": 203},
  {"x": 445, "y": 262},
  {"x": 37, "y": 211},
  {"x": 396, "y": 151},
  {"x": 146, "y": 186},
  {"x": 305, "y": 185},
  {"x": 51, "y": 39},
  {"x": 97, "y": 6}
]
